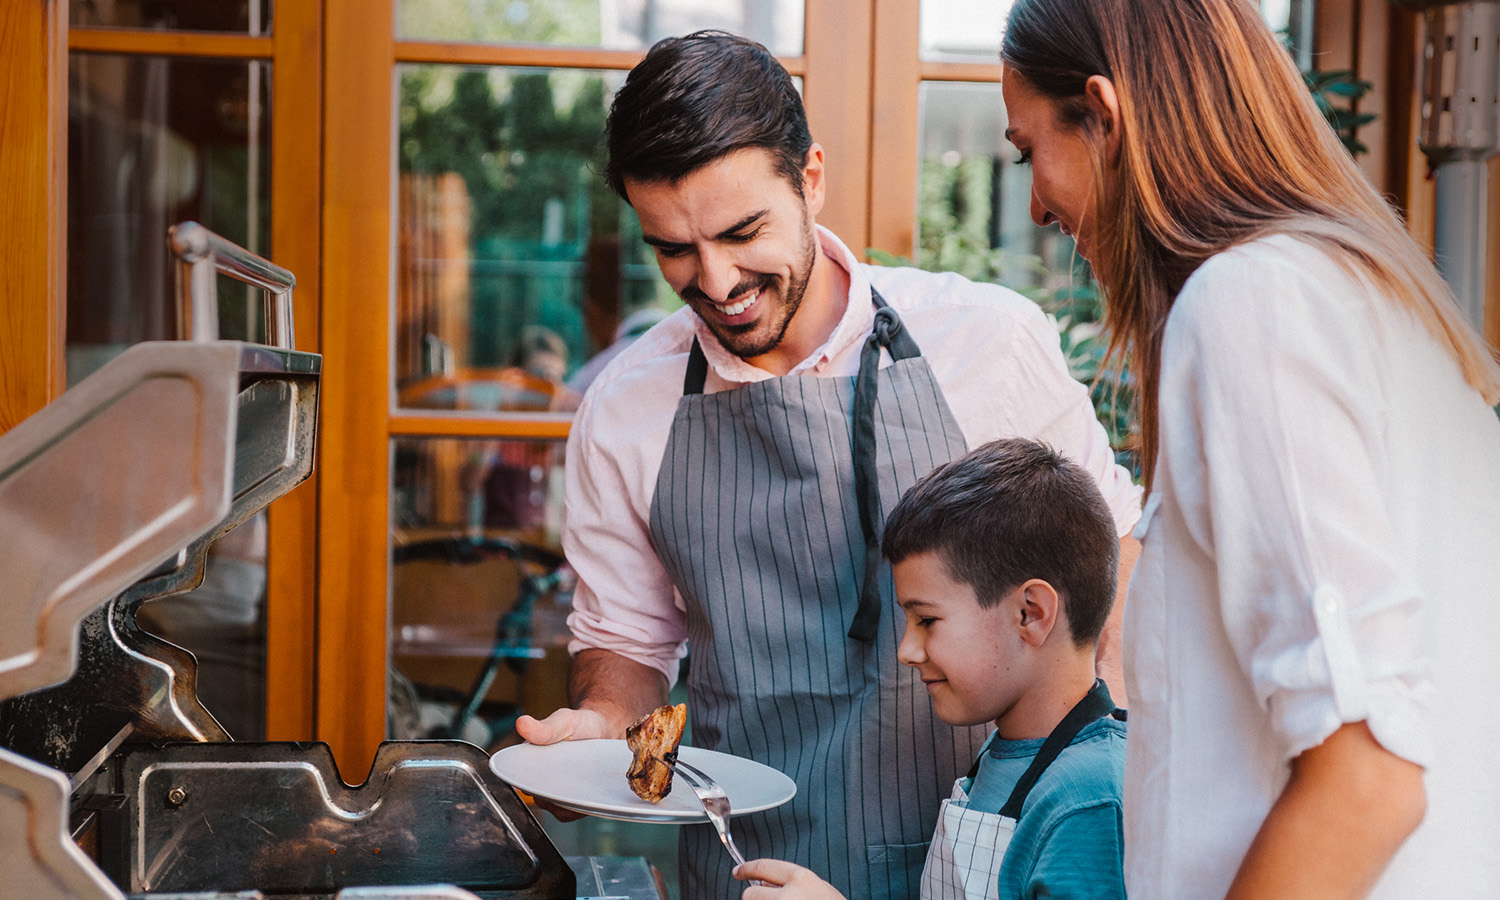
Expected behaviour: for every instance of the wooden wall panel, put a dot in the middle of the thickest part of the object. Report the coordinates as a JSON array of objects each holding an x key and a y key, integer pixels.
[
  {"x": 33, "y": 160},
  {"x": 835, "y": 88},
  {"x": 1492, "y": 263},
  {"x": 291, "y": 565},
  {"x": 354, "y": 482},
  {"x": 894, "y": 104}
]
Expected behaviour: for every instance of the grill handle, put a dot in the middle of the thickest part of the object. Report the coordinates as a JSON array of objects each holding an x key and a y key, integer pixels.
[{"x": 201, "y": 254}]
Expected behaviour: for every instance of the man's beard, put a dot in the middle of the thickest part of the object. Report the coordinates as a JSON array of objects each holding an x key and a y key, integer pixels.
[{"x": 741, "y": 340}]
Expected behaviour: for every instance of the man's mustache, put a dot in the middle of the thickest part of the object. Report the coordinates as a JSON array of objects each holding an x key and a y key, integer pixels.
[{"x": 749, "y": 285}]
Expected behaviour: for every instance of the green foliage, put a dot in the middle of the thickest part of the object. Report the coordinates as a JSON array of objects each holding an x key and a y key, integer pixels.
[{"x": 1336, "y": 91}]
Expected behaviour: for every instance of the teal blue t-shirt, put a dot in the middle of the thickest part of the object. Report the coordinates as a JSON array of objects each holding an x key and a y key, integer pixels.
[{"x": 1069, "y": 841}]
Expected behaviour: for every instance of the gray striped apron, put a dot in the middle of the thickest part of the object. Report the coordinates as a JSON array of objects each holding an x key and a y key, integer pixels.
[{"x": 756, "y": 519}]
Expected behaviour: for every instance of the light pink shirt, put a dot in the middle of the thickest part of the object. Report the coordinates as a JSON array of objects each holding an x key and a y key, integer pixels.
[{"x": 994, "y": 353}]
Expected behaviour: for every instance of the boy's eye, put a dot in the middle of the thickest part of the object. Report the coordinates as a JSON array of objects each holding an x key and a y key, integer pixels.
[
  {"x": 926, "y": 621},
  {"x": 1025, "y": 159}
]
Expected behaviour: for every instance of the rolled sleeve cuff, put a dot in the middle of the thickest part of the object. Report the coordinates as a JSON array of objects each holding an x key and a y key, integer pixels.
[
  {"x": 587, "y": 635},
  {"x": 1337, "y": 690}
]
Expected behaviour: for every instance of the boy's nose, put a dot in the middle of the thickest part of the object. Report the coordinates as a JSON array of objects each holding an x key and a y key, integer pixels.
[{"x": 909, "y": 652}]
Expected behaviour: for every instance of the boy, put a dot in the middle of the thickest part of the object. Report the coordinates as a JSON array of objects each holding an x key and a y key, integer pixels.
[{"x": 1004, "y": 563}]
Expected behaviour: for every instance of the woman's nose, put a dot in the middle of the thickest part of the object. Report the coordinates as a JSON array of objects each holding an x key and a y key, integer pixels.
[{"x": 1039, "y": 213}]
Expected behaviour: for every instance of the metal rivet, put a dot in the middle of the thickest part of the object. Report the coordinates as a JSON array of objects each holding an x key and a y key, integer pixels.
[{"x": 176, "y": 797}]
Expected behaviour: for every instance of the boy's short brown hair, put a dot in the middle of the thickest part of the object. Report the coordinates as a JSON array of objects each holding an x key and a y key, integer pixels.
[{"x": 1010, "y": 511}]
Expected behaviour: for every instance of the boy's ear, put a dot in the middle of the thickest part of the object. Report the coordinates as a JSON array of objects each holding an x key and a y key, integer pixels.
[{"x": 1037, "y": 609}]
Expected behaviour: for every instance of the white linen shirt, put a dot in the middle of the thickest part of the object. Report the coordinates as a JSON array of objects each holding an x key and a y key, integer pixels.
[
  {"x": 1321, "y": 546},
  {"x": 995, "y": 354}
]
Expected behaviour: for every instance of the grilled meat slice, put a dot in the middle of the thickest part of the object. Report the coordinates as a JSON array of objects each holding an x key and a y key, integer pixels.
[{"x": 655, "y": 736}]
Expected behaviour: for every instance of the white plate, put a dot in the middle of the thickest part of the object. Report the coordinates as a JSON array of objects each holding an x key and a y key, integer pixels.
[{"x": 589, "y": 777}]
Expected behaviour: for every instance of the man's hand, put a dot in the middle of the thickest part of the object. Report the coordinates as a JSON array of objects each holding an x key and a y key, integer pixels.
[
  {"x": 784, "y": 881},
  {"x": 563, "y": 725}
]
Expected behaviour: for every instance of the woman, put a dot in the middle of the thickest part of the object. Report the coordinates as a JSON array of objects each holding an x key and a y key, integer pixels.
[{"x": 1311, "y": 628}]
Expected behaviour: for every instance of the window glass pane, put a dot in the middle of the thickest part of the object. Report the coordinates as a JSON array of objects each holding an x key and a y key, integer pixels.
[
  {"x": 476, "y": 576},
  {"x": 963, "y": 29},
  {"x": 610, "y": 24},
  {"x": 516, "y": 263},
  {"x": 153, "y": 141},
  {"x": 244, "y": 16}
]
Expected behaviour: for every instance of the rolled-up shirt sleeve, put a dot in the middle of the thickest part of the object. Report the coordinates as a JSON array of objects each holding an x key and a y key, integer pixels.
[
  {"x": 1270, "y": 419},
  {"x": 1061, "y": 413},
  {"x": 624, "y": 601}
]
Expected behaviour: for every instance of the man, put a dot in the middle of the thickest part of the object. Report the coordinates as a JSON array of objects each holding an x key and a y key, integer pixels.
[{"x": 728, "y": 473}]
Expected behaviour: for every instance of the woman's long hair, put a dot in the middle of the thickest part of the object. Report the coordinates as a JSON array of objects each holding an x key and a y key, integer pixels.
[{"x": 1221, "y": 143}]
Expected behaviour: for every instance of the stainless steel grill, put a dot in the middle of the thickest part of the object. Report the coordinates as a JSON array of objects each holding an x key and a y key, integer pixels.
[{"x": 114, "y": 779}]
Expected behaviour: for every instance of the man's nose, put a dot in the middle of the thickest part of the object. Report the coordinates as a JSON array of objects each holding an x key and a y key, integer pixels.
[
  {"x": 1039, "y": 213},
  {"x": 718, "y": 276}
]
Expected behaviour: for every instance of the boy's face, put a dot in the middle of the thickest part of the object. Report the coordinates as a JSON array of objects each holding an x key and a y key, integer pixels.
[{"x": 970, "y": 657}]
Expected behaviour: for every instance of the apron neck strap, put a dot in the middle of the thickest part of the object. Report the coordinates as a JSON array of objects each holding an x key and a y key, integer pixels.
[
  {"x": 1096, "y": 704},
  {"x": 889, "y": 333},
  {"x": 697, "y": 371}
]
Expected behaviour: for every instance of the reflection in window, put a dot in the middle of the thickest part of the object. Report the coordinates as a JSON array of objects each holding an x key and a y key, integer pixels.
[
  {"x": 244, "y": 16},
  {"x": 609, "y": 24},
  {"x": 480, "y": 592},
  {"x": 153, "y": 141},
  {"x": 516, "y": 263}
]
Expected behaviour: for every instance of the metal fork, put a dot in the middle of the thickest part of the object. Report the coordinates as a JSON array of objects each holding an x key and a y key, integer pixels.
[{"x": 715, "y": 803}]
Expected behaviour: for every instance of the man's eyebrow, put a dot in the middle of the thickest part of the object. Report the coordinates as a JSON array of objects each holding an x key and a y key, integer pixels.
[
  {"x": 660, "y": 242},
  {"x": 742, "y": 224}
]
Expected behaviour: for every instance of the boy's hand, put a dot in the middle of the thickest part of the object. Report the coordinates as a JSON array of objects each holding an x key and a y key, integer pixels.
[{"x": 784, "y": 881}]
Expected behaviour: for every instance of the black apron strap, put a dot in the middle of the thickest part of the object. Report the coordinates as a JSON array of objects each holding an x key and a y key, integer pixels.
[
  {"x": 697, "y": 371},
  {"x": 889, "y": 333},
  {"x": 1095, "y": 705}
]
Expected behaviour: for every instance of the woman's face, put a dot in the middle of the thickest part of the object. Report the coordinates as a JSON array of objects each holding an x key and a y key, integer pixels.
[{"x": 1062, "y": 173}]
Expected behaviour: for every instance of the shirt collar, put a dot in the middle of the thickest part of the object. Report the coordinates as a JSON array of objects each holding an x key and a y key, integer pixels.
[{"x": 857, "y": 321}]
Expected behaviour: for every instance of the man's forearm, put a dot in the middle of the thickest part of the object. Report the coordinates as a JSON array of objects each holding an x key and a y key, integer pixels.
[{"x": 619, "y": 689}]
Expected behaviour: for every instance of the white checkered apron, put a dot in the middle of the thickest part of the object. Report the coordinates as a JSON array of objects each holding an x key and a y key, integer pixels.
[{"x": 963, "y": 862}]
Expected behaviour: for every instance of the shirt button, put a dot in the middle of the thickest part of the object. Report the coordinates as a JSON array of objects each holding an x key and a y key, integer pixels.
[{"x": 1330, "y": 602}]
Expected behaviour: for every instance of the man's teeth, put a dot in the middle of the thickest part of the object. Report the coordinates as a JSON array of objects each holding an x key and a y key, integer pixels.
[{"x": 734, "y": 309}]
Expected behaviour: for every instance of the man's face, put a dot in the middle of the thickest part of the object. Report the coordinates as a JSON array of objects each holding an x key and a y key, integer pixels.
[{"x": 736, "y": 242}]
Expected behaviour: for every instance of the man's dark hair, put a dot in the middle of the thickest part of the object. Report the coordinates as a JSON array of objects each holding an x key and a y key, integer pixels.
[
  {"x": 696, "y": 98},
  {"x": 1008, "y": 512}
]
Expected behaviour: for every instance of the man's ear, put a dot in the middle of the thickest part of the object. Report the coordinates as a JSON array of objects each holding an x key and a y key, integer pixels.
[
  {"x": 1037, "y": 607},
  {"x": 1099, "y": 94},
  {"x": 814, "y": 185}
]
